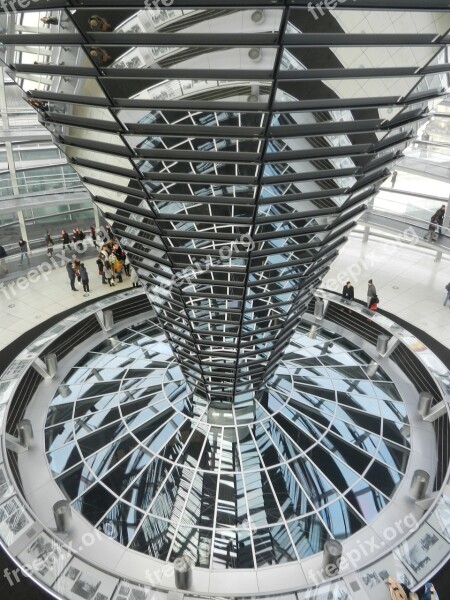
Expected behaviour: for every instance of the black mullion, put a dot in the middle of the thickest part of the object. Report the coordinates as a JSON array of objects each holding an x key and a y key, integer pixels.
[{"x": 270, "y": 112}]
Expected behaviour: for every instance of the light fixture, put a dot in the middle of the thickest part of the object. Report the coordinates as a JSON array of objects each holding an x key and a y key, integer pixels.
[
  {"x": 254, "y": 94},
  {"x": 258, "y": 16},
  {"x": 254, "y": 54}
]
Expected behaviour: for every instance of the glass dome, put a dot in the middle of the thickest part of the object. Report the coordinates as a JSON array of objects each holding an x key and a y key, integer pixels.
[{"x": 318, "y": 454}]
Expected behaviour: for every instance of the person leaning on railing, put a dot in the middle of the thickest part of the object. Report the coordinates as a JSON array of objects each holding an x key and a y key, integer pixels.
[
  {"x": 439, "y": 218},
  {"x": 348, "y": 293}
]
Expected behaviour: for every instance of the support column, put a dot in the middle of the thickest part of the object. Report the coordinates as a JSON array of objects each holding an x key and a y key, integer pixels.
[
  {"x": 366, "y": 234},
  {"x": 332, "y": 553},
  {"x": 419, "y": 484},
  {"x": 23, "y": 227},
  {"x": 183, "y": 573},
  {"x": 382, "y": 343},
  {"x": 96, "y": 217},
  {"x": 425, "y": 399},
  {"x": 25, "y": 433},
  {"x": 63, "y": 515}
]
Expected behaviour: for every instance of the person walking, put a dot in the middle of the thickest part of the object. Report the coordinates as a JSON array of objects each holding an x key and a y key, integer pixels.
[
  {"x": 348, "y": 293},
  {"x": 65, "y": 239},
  {"x": 109, "y": 232},
  {"x": 371, "y": 292},
  {"x": 71, "y": 274},
  {"x": 84, "y": 279},
  {"x": 3, "y": 255},
  {"x": 447, "y": 298},
  {"x": 94, "y": 236},
  {"x": 23, "y": 250},
  {"x": 50, "y": 244}
]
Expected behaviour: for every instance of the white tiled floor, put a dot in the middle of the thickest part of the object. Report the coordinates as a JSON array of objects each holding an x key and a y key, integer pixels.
[
  {"x": 20, "y": 310},
  {"x": 409, "y": 283}
]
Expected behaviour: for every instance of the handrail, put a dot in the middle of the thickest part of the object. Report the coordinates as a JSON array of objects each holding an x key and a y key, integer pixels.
[{"x": 405, "y": 220}]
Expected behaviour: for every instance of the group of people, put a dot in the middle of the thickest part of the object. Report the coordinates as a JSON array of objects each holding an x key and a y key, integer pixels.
[
  {"x": 76, "y": 271},
  {"x": 113, "y": 262},
  {"x": 348, "y": 293},
  {"x": 75, "y": 241}
]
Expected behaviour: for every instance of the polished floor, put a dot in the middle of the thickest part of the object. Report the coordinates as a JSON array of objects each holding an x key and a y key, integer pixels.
[
  {"x": 27, "y": 301},
  {"x": 408, "y": 281}
]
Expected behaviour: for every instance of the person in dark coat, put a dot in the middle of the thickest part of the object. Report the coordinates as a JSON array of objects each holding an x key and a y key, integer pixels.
[
  {"x": 109, "y": 232},
  {"x": 84, "y": 279},
  {"x": 439, "y": 218},
  {"x": 71, "y": 274},
  {"x": 101, "y": 268},
  {"x": 348, "y": 293},
  {"x": 431, "y": 234},
  {"x": 65, "y": 239}
]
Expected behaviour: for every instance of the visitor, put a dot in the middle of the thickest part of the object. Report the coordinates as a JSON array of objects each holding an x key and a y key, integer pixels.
[
  {"x": 99, "y": 55},
  {"x": 50, "y": 243},
  {"x": 97, "y": 23},
  {"x": 109, "y": 274},
  {"x": 431, "y": 233},
  {"x": 71, "y": 274},
  {"x": 439, "y": 218},
  {"x": 134, "y": 277},
  {"x": 348, "y": 293},
  {"x": 23, "y": 250},
  {"x": 101, "y": 268},
  {"x": 65, "y": 239},
  {"x": 84, "y": 279},
  {"x": 94, "y": 236},
  {"x": 371, "y": 291},
  {"x": 50, "y": 20},
  {"x": 447, "y": 297}
]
